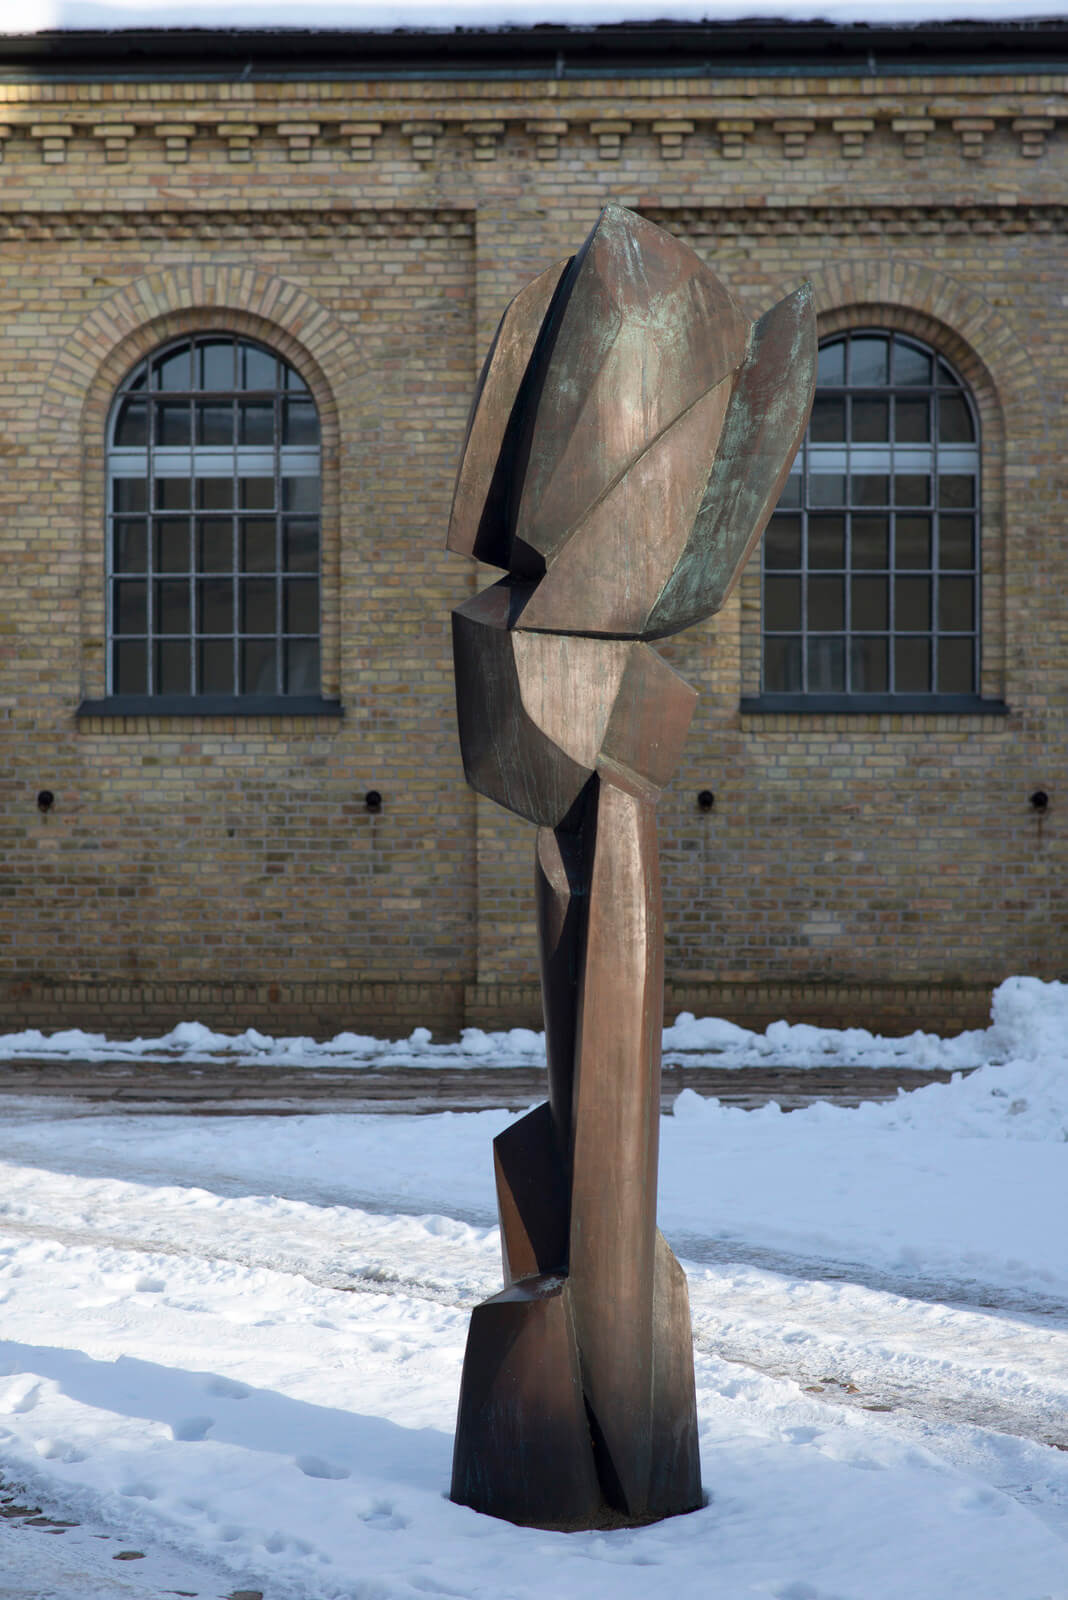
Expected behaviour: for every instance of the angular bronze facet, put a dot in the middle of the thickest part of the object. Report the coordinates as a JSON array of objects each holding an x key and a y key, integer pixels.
[{"x": 629, "y": 438}]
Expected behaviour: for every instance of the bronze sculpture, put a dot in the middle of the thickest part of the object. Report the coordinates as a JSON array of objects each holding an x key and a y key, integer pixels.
[{"x": 630, "y": 435}]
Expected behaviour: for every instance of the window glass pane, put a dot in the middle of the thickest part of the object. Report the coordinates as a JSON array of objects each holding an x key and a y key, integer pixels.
[
  {"x": 129, "y": 607},
  {"x": 131, "y": 428},
  {"x": 826, "y": 541},
  {"x": 215, "y": 606},
  {"x": 831, "y": 363},
  {"x": 868, "y": 354},
  {"x": 172, "y": 494},
  {"x": 871, "y": 602},
  {"x": 215, "y": 494},
  {"x": 258, "y": 613},
  {"x": 301, "y": 545},
  {"x": 138, "y": 378},
  {"x": 215, "y": 667},
  {"x": 912, "y": 420},
  {"x": 256, "y": 494},
  {"x": 172, "y": 607},
  {"x": 129, "y": 667},
  {"x": 826, "y": 603},
  {"x": 955, "y": 489},
  {"x": 300, "y": 605},
  {"x": 293, "y": 378},
  {"x": 302, "y": 666},
  {"x": 258, "y": 544},
  {"x": 956, "y": 607},
  {"x": 912, "y": 604},
  {"x": 782, "y": 603},
  {"x": 216, "y": 364},
  {"x": 791, "y": 491},
  {"x": 828, "y": 420},
  {"x": 954, "y": 420},
  {"x": 782, "y": 541},
  {"x": 827, "y": 489},
  {"x": 300, "y": 424},
  {"x": 782, "y": 666},
  {"x": 946, "y": 375},
  {"x": 911, "y": 365},
  {"x": 173, "y": 660},
  {"x": 215, "y": 544},
  {"x": 130, "y": 546},
  {"x": 256, "y": 422},
  {"x": 129, "y": 494},
  {"x": 912, "y": 541},
  {"x": 871, "y": 421},
  {"x": 172, "y": 422},
  {"x": 172, "y": 544},
  {"x": 173, "y": 371},
  {"x": 826, "y": 665},
  {"x": 870, "y": 489},
  {"x": 870, "y": 666},
  {"x": 259, "y": 666},
  {"x": 912, "y": 489},
  {"x": 870, "y": 538},
  {"x": 912, "y": 666},
  {"x": 956, "y": 666},
  {"x": 956, "y": 541},
  {"x": 215, "y": 423},
  {"x": 300, "y": 494},
  {"x": 259, "y": 370}
]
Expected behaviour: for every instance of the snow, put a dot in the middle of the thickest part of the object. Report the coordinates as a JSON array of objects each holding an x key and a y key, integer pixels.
[
  {"x": 233, "y": 1345},
  {"x": 29, "y": 16},
  {"x": 1029, "y": 1018}
]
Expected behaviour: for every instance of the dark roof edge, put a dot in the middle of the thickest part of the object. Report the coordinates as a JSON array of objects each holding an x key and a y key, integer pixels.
[{"x": 697, "y": 49}]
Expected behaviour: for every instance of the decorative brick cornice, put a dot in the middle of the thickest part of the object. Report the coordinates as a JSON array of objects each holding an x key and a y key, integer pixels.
[
  {"x": 220, "y": 221},
  {"x": 742, "y": 219},
  {"x": 715, "y": 126},
  {"x": 847, "y": 220}
]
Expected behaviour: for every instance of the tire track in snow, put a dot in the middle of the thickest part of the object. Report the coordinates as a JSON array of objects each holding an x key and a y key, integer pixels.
[{"x": 795, "y": 1328}]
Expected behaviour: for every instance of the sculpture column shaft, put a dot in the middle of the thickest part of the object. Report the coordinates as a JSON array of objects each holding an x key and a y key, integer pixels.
[{"x": 616, "y": 1119}]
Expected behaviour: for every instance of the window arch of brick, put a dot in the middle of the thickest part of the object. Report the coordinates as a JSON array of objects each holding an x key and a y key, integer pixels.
[
  {"x": 926, "y": 331},
  {"x": 130, "y": 325}
]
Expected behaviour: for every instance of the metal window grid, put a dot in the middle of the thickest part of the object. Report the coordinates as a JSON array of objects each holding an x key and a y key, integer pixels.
[
  {"x": 154, "y": 464},
  {"x": 850, "y": 459}
]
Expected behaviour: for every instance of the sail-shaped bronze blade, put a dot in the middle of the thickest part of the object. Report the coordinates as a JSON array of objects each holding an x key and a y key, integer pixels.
[{"x": 765, "y": 423}]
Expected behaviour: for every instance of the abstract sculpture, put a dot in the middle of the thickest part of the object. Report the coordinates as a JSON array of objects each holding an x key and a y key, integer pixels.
[{"x": 630, "y": 436}]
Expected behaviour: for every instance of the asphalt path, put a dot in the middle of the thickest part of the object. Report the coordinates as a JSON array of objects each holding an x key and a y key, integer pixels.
[{"x": 224, "y": 1087}]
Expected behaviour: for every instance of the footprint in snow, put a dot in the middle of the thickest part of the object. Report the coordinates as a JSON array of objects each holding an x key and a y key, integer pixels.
[
  {"x": 229, "y": 1389},
  {"x": 146, "y": 1284},
  {"x": 26, "y": 1401},
  {"x": 316, "y": 1467},
  {"x": 58, "y": 1450},
  {"x": 382, "y": 1515},
  {"x": 192, "y": 1428}
]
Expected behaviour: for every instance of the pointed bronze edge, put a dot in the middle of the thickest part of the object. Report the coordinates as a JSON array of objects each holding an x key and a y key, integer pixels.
[
  {"x": 764, "y": 426},
  {"x": 479, "y": 520}
]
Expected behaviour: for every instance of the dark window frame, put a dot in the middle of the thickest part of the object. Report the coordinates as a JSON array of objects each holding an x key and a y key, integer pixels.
[
  {"x": 852, "y": 468},
  {"x": 266, "y": 444}
]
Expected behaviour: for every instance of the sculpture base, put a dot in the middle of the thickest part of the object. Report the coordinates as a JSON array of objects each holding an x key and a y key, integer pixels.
[{"x": 529, "y": 1448}]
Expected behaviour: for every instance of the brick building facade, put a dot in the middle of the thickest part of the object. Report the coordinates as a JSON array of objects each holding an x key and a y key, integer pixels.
[{"x": 368, "y": 221}]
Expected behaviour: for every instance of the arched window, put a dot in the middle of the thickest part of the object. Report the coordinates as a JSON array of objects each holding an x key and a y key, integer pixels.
[
  {"x": 871, "y": 560},
  {"x": 213, "y": 526}
]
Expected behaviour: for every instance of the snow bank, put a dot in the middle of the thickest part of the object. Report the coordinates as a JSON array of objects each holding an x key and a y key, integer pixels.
[
  {"x": 31, "y": 16},
  {"x": 1029, "y": 1020}
]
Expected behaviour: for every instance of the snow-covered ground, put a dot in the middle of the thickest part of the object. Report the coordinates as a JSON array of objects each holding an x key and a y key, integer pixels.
[
  {"x": 1028, "y": 1018},
  {"x": 233, "y": 1345}
]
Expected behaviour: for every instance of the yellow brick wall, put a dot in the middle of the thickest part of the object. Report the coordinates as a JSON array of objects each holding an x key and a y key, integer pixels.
[{"x": 853, "y": 867}]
